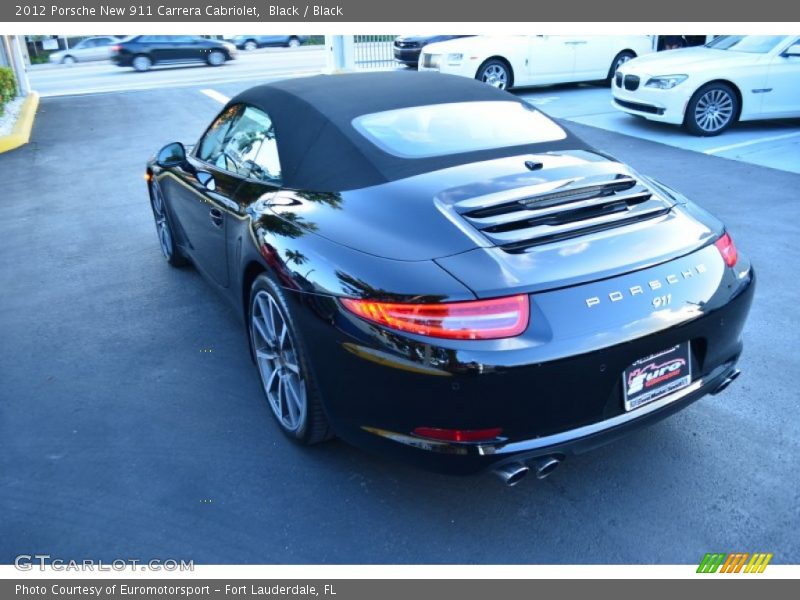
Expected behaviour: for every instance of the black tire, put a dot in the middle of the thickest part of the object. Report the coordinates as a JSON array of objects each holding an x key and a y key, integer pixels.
[
  {"x": 141, "y": 63},
  {"x": 497, "y": 73},
  {"x": 293, "y": 42},
  {"x": 69, "y": 60},
  {"x": 712, "y": 109},
  {"x": 619, "y": 60},
  {"x": 216, "y": 58},
  {"x": 313, "y": 426},
  {"x": 250, "y": 45},
  {"x": 169, "y": 247}
]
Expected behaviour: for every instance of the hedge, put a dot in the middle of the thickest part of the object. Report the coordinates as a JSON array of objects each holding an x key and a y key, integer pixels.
[{"x": 8, "y": 87}]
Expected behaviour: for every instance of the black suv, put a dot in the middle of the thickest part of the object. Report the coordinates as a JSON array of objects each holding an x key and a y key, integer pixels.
[{"x": 143, "y": 51}]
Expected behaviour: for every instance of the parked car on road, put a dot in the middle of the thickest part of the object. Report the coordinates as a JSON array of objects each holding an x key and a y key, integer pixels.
[
  {"x": 88, "y": 49},
  {"x": 708, "y": 88},
  {"x": 432, "y": 268},
  {"x": 520, "y": 60},
  {"x": 251, "y": 42},
  {"x": 407, "y": 48},
  {"x": 142, "y": 52}
]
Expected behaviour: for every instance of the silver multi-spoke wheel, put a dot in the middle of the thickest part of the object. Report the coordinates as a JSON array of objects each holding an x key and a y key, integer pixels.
[
  {"x": 166, "y": 238},
  {"x": 714, "y": 110},
  {"x": 162, "y": 227},
  {"x": 278, "y": 362},
  {"x": 496, "y": 75},
  {"x": 294, "y": 43},
  {"x": 250, "y": 45}
]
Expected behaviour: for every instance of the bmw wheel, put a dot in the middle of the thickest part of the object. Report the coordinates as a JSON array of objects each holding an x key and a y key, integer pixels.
[
  {"x": 497, "y": 73},
  {"x": 712, "y": 109},
  {"x": 283, "y": 367},
  {"x": 142, "y": 63},
  {"x": 250, "y": 45},
  {"x": 68, "y": 60},
  {"x": 619, "y": 60},
  {"x": 166, "y": 237},
  {"x": 293, "y": 43},
  {"x": 216, "y": 58}
]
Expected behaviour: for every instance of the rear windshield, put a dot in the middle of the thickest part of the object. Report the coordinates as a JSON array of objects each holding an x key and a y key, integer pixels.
[{"x": 455, "y": 128}]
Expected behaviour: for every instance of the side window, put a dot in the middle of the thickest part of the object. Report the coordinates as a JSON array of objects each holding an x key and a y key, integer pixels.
[
  {"x": 242, "y": 141},
  {"x": 212, "y": 145},
  {"x": 267, "y": 164}
]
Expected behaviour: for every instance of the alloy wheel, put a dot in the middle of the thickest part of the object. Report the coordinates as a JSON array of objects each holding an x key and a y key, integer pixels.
[
  {"x": 621, "y": 61},
  {"x": 162, "y": 227},
  {"x": 714, "y": 110},
  {"x": 250, "y": 45},
  {"x": 142, "y": 63},
  {"x": 496, "y": 76},
  {"x": 278, "y": 362}
]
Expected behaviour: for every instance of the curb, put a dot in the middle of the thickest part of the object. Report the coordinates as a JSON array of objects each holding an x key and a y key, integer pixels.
[{"x": 21, "y": 132}]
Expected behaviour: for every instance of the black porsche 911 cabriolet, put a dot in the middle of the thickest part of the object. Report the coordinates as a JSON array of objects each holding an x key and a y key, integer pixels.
[{"x": 429, "y": 267}]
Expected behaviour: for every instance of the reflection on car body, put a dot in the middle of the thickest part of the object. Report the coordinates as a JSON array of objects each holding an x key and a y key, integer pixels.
[{"x": 418, "y": 284}]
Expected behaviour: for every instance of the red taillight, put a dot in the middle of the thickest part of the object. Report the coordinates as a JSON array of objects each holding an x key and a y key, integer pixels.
[
  {"x": 459, "y": 435},
  {"x": 472, "y": 320},
  {"x": 727, "y": 248},
  {"x": 116, "y": 48}
]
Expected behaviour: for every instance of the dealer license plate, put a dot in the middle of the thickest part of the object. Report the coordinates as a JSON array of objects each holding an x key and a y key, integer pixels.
[{"x": 656, "y": 376}]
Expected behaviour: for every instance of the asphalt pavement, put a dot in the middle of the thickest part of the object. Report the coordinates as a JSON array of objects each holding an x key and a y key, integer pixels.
[{"x": 132, "y": 424}]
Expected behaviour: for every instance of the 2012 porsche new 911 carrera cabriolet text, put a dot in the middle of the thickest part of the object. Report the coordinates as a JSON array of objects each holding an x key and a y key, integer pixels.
[{"x": 431, "y": 268}]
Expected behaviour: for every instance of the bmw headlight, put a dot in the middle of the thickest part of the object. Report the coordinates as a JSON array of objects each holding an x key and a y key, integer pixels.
[{"x": 665, "y": 82}]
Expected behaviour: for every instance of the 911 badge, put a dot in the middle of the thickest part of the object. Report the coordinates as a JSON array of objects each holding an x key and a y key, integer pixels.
[{"x": 656, "y": 376}]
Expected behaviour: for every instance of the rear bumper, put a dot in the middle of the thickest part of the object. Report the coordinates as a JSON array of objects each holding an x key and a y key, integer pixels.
[{"x": 557, "y": 389}]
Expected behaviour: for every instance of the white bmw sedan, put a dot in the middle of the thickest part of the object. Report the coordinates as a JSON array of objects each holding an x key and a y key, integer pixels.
[
  {"x": 706, "y": 89},
  {"x": 521, "y": 60}
]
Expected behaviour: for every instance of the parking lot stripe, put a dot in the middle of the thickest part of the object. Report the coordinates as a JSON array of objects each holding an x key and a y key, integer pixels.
[
  {"x": 751, "y": 142},
  {"x": 215, "y": 95}
]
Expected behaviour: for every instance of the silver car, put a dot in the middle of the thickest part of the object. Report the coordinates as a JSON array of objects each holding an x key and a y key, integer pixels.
[{"x": 91, "y": 48}]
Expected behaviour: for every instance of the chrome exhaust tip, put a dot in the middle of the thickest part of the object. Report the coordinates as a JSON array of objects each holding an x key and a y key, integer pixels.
[
  {"x": 728, "y": 380},
  {"x": 545, "y": 465},
  {"x": 512, "y": 473}
]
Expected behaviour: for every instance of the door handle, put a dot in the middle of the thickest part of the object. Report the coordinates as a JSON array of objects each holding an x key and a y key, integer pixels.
[{"x": 216, "y": 217}]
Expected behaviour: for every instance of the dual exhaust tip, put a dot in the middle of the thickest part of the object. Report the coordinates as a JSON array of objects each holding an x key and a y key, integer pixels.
[{"x": 512, "y": 473}]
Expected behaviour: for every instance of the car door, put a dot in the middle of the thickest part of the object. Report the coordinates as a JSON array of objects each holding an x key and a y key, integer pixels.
[
  {"x": 102, "y": 48},
  {"x": 783, "y": 83},
  {"x": 272, "y": 40},
  {"x": 593, "y": 56},
  {"x": 202, "y": 197},
  {"x": 550, "y": 59}
]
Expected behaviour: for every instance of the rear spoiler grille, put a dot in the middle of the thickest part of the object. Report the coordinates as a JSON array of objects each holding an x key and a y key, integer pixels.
[{"x": 521, "y": 218}]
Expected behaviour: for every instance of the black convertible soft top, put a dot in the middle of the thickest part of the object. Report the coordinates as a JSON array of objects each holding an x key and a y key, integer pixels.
[{"x": 319, "y": 148}]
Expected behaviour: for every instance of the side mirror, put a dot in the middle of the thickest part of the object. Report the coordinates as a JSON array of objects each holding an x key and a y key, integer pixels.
[
  {"x": 171, "y": 155},
  {"x": 793, "y": 50}
]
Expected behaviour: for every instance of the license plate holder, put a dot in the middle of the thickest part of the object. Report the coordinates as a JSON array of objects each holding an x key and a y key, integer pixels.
[{"x": 656, "y": 376}]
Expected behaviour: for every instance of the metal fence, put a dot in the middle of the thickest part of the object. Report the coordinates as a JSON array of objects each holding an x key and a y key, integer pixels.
[{"x": 373, "y": 51}]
